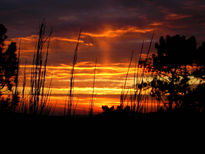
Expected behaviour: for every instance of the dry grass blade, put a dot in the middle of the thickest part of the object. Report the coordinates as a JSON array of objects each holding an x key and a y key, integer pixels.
[
  {"x": 142, "y": 76},
  {"x": 93, "y": 92},
  {"x": 75, "y": 57},
  {"x": 123, "y": 95},
  {"x": 38, "y": 100}
]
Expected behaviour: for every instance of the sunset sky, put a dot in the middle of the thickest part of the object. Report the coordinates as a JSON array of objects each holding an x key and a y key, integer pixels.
[{"x": 111, "y": 29}]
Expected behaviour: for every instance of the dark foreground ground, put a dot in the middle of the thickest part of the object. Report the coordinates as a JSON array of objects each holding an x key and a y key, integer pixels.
[
  {"x": 164, "y": 117},
  {"x": 104, "y": 127}
]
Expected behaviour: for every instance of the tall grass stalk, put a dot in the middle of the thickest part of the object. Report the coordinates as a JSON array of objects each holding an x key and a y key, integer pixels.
[
  {"x": 70, "y": 95},
  {"x": 24, "y": 82},
  {"x": 23, "y": 105},
  {"x": 93, "y": 92},
  {"x": 37, "y": 101},
  {"x": 123, "y": 95},
  {"x": 17, "y": 73},
  {"x": 16, "y": 93},
  {"x": 136, "y": 76},
  {"x": 142, "y": 76}
]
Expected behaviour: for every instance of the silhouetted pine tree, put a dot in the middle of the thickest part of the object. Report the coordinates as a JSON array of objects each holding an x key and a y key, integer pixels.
[
  {"x": 170, "y": 63},
  {"x": 8, "y": 70}
]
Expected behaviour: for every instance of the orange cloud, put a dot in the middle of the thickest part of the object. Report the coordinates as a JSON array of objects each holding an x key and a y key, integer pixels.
[
  {"x": 117, "y": 32},
  {"x": 174, "y": 16},
  {"x": 71, "y": 40},
  {"x": 29, "y": 40},
  {"x": 156, "y": 24}
]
